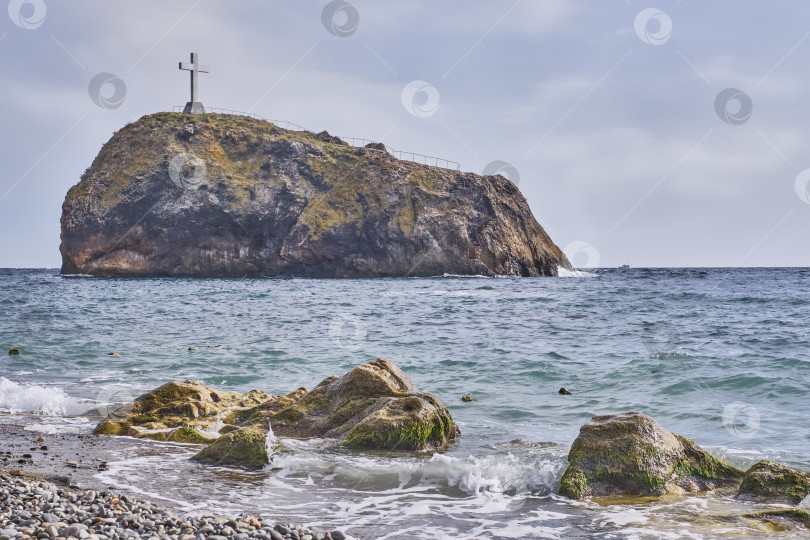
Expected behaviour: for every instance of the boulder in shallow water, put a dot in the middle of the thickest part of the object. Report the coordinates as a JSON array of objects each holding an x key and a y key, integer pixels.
[
  {"x": 632, "y": 454},
  {"x": 244, "y": 448},
  {"x": 374, "y": 406},
  {"x": 177, "y": 411},
  {"x": 774, "y": 483}
]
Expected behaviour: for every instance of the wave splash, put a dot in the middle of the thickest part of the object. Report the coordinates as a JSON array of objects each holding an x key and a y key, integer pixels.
[
  {"x": 493, "y": 476},
  {"x": 16, "y": 398},
  {"x": 562, "y": 272}
]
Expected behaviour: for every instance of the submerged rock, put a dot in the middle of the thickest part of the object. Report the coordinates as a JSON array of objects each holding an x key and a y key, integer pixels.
[
  {"x": 227, "y": 196},
  {"x": 774, "y": 483},
  {"x": 632, "y": 454},
  {"x": 374, "y": 406},
  {"x": 788, "y": 520}
]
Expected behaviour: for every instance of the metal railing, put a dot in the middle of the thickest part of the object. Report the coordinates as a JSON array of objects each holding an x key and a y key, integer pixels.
[{"x": 353, "y": 141}]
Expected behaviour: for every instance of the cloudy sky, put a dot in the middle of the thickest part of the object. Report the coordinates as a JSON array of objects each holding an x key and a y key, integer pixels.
[{"x": 614, "y": 116}]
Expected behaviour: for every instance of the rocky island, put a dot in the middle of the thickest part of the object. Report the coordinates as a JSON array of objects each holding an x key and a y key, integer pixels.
[{"x": 231, "y": 196}]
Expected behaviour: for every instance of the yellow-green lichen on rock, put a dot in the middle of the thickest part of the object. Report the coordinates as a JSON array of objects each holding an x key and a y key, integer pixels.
[
  {"x": 181, "y": 411},
  {"x": 373, "y": 407}
]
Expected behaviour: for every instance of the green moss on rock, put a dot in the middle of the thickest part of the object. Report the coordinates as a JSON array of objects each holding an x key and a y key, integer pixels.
[
  {"x": 774, "y": 483},
  {"x": 374, "y": 406},
  {"x": 384, "y": 430},
  {"x": 632, "y": 454},
  {"x": 189, "y": 435},
  {"x": 243, "y": 448},
  {"x": 111, "y": 427}
]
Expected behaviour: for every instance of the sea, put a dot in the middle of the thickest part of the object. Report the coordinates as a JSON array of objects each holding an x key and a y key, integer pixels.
[{"x": 718, "y": 355}]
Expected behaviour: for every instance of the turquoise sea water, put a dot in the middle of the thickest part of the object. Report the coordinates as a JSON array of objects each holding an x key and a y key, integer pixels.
[{"x": 721, "y": 356}]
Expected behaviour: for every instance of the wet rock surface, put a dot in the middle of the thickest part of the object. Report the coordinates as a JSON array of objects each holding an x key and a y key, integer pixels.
[
  {"x": 774, "y": 483},
  {"x": 632, "y": 454},
  {"x": 373, "y": 407}
]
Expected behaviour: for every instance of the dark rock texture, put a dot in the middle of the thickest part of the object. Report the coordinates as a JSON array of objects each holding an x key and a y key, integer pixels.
[
  {"x": 219, "y": 195},
  {"x": 632, "y": 454}
]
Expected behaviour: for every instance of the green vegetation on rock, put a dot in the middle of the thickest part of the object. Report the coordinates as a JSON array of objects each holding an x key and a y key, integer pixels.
[
  {"x": 774, "y": 483},
  {"x": 243, "y": 448},
  {"x": 632, "y": 454},
  {"x": 373, "y": 407}
]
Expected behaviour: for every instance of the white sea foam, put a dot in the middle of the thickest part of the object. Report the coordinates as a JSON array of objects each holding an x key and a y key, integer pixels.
[
  {"x": 271, "y": 442},
  {"x": 496, "y": 475},
  {"x": 562, "y": 272},
  {"x": 16, "y": 398}
]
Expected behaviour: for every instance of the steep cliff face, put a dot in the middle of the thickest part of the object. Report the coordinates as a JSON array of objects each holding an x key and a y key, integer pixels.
[{"x": 221, "y": 195}]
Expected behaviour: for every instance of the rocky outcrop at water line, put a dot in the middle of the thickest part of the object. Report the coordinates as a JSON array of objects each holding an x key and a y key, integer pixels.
[
  {"x": 774, "y": 483},
  {"x": 632, "y": 454},
  {"x": 219, "y": 195},
  {"x": 374, "y": 406}
]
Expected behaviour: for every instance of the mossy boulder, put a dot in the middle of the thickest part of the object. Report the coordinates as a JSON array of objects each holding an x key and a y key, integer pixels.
[
  {"x": 242, "y": 448},
  {"x": 374, "y": 406},
  {"x": 630, "y": 454},
  {"x": 178, "y": 411},
  {"x": 774, "y": 483}
]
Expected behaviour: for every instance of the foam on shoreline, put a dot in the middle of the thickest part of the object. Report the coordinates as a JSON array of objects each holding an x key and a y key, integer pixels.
[{"x": 16, "y": 398}]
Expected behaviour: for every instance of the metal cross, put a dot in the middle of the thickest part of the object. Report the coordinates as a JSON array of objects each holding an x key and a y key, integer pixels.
[{"x": 194, "y": 67}]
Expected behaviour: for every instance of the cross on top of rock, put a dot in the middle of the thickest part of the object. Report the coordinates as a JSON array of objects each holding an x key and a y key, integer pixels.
[{"x": 194, "y": 106}]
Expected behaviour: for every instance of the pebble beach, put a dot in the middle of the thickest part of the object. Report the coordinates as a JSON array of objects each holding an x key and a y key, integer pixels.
[{"x": 32, "y": 507}]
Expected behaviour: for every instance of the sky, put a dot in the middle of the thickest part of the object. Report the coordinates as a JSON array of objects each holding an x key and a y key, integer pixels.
[{"x": 665, "y": 134}]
